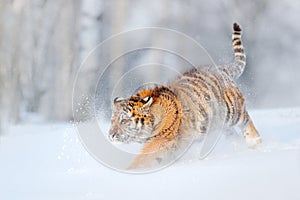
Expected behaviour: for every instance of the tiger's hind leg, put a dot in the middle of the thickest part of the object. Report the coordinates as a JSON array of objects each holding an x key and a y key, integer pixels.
[{"x": 251, "y": 135}]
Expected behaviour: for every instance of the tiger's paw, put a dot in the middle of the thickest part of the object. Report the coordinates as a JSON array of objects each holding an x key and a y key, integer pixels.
[{"x": 252, "y": 142}]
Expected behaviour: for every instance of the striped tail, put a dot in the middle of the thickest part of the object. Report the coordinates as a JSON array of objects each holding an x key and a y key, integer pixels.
[{"x": 236, "y": 68}]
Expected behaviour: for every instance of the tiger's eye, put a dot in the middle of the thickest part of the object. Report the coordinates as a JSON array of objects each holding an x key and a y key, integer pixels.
[
  {"x": 142, "y": 121},
  {"x": 123, "y": 121}
]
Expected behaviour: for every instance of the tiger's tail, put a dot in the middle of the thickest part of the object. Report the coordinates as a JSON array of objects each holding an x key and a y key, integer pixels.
[{"x": 236, "y": 68}]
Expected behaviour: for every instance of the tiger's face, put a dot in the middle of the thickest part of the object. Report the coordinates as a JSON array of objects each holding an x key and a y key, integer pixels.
[{"x": 131, "y": 120}]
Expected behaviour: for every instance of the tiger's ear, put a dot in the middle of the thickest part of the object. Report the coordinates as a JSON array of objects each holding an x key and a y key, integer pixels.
[
  {"x": 117, "y": 100},
  {"x": 147, "y": 102}
]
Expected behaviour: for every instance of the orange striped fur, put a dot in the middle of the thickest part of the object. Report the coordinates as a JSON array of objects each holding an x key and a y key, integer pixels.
[{"x": 164, "y": 116}]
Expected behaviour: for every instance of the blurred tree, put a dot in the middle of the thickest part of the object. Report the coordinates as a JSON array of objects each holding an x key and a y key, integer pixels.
[
  {"x": 43, "y": 43},
  {"x": 11, "y": 59},
  {"x": 118, "y": 12}
]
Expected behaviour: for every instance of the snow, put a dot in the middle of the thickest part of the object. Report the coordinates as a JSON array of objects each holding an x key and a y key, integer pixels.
[{"x": 47, "y": 161}]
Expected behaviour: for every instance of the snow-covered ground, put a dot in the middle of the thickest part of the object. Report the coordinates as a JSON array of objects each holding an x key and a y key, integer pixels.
[{"x": 47, "y": 161}]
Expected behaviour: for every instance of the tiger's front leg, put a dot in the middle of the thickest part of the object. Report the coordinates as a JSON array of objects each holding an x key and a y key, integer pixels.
[{"x": 155, "y": 152}]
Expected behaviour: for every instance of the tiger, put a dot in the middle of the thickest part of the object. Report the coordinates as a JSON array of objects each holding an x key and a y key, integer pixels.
[{"x": 162, "y": 117}]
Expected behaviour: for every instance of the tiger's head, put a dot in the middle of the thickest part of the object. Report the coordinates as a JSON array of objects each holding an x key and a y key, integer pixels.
[{"x": 132, "y": 120}]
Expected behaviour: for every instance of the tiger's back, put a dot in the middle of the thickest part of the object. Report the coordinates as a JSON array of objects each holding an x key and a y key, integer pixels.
[{"x": 205, "y": 94}]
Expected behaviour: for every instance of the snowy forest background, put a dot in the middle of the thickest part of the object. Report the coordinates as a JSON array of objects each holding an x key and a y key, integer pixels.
[{"x": 43, "y": 43}]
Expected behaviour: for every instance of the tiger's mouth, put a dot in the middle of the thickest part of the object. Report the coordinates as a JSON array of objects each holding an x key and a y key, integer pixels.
[
  {"x": 119, "y": 139},
  {"x": 118, "y": 136}
]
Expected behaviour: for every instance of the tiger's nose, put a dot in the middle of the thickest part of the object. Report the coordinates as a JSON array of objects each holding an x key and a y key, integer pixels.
[
  {"x": 113, "y": 134},
  {"x": 111, "y": 137},
  {"x": 115, "y": 138}
]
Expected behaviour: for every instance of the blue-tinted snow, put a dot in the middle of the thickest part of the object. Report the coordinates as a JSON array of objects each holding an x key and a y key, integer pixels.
[{"x": 47, "y": 161}]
